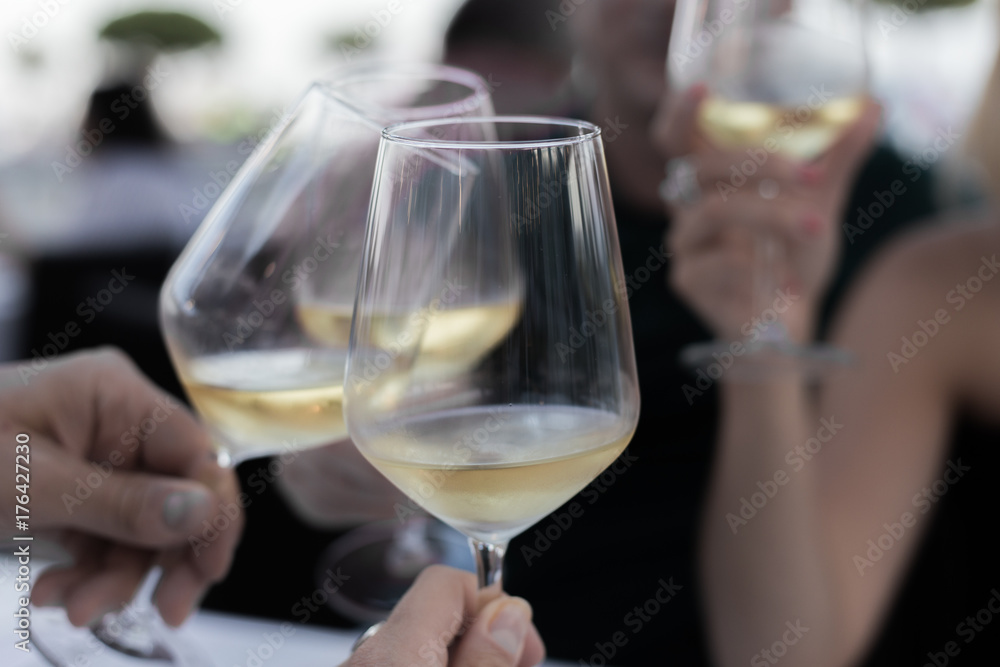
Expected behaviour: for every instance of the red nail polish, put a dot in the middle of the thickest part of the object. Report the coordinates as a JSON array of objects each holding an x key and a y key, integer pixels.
[
  {"x": 696, "y": 92},
  {"x": 812, "y": 224},
  {"x": 811, "y": 174}
]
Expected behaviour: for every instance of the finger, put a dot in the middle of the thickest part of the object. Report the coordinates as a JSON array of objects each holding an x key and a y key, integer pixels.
[
  {"x": 849, "y": 151},
  {"x": 135, "y": 508},
  {"x": 149, "y": 421},
  {"x": 110, "y": 413},
  {"x": 743, "y": 216},
  {"x": 744, "y": 171},
  {"x": 86, "y": 552},
  {"x": 179, "y": 592},
  {"x": 425, "y": 621},
  {"x": 726, "y": 274},
  {"x": 211, "y": 546},
  {"x": 111, "y": 585},
  {"x": 501, "y": 636},
  {"x": 675, "y": 125}
]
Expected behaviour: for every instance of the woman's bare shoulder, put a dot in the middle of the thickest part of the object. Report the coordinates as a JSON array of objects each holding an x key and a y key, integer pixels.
[
  {"x": 946, "y": 262},
  {"x": 948, "y": 250},
  {"x": 933, "y": 300}
]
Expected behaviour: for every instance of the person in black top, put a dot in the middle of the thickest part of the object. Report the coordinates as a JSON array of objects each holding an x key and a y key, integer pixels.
[
  {"x": 618, "y": 584},
  {"x": 615, "y": 580}
]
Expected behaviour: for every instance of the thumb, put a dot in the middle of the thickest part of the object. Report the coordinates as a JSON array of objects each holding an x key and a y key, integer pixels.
[
  {"x": 502, "y": 636},
  {"x": 135, "y": 508},
  {"x": 675, "y": 125}
]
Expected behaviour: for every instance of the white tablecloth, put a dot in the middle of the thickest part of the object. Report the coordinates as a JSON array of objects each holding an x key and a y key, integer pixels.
[{"x": 231, "y": 641}]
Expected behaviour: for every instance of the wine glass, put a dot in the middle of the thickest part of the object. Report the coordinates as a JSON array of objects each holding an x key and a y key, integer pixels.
[
  {"x": 498, "y": 235},
  {"x": 783, "y": 77},
  {"x": 239, "y": 307}
]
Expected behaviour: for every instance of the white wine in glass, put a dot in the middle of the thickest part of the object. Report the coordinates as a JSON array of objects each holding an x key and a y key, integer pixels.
[
  {"x": 517, "y": 212},
  {"x": 256, "y": 312},
  {"x": 784, "y": 77},
  {"x": 539, "y": 457},
  {"x": 258, "y": 399}
]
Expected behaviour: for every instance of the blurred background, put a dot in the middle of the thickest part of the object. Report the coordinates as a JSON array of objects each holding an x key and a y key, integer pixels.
[
  {"x": 118, "y": 131},
  {"x": 224, "y": 72}
]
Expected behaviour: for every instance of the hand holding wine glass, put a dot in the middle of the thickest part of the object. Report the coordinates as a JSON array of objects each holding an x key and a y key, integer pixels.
[
  {"x": 714, "y": 239},
  {"x": 781, "y": 123},
  {"x": 125, "y": 474}
]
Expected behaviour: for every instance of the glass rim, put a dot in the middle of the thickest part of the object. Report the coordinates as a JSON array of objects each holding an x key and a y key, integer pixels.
[
  {"x": 337, "y": 83},
  {"x": 590, "y": 132}
]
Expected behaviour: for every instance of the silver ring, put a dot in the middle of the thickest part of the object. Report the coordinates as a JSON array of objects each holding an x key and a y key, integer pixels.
[
  {"x": 366, "y": 635},
  {"x": 681, "y": 185},
  {"x": 769, "y": 189}
]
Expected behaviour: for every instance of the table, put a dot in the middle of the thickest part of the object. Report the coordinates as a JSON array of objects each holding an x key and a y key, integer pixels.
[{"x": 231, "y": 641}]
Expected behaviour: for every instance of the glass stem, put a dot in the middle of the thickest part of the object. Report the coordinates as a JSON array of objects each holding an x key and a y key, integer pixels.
[
  {"x": 135, "y": 630},
  {"x": 489, "y": 562},
  {"x": 766, "y": 256}
]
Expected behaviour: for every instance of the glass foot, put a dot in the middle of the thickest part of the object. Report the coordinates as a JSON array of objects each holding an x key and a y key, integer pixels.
[
  {"x": 124, "y": 639},
  {"x": 383, "y": 560}
]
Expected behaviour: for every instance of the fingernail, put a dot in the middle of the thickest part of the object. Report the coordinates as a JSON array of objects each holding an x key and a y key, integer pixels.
[
  {"x": 177, "y": 507},
  {"x": 811, "y": 174},
  {"x": 812, "y": 224},
  {"x": 696, "y": 92},
  {"x": 510, "y": 625}
]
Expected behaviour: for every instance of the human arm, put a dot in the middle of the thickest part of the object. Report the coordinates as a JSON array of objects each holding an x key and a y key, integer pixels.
[
  {"x": 762, "y": 551},
  {"x": 861, "y": 496}
]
